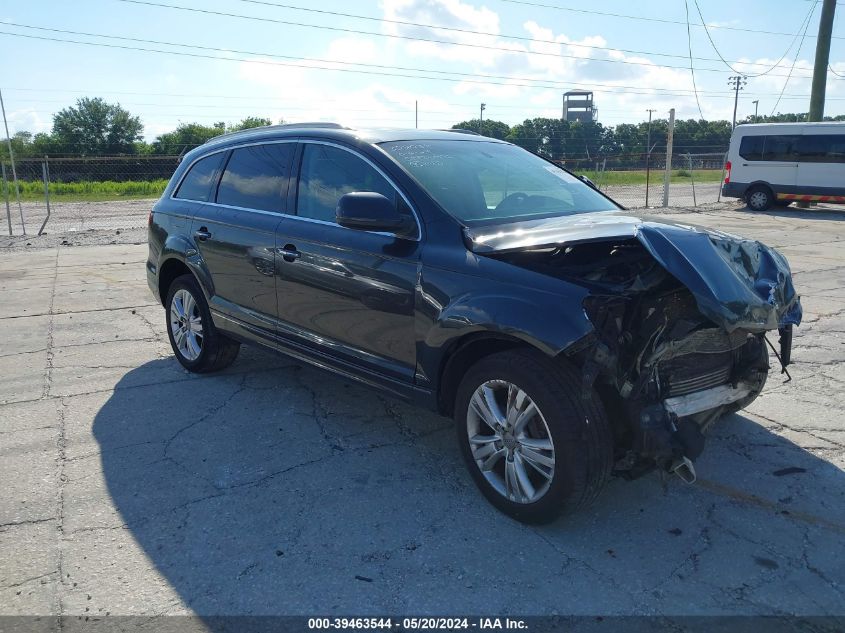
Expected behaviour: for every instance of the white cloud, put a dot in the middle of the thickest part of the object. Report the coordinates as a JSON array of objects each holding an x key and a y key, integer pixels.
[
  {"x": 27, "y": 120},
  {"x": 520, "y": 72}
]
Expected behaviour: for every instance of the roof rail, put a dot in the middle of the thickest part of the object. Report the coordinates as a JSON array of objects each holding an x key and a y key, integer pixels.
[
  {"x": 317, "y": 124},
  {"x": 284, "y": 126},
  {"x": 459, "y": 131}
]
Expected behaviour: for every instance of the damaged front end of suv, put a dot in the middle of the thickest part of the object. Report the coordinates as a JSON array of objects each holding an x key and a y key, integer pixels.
[{"x": 679, "y": 321}]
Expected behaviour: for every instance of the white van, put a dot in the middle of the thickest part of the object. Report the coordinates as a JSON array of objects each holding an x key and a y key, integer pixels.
[{"x": 778, "y": 163}]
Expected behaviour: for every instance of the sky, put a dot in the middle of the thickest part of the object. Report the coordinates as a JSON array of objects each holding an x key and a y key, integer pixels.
[{"x": 299, "y": 60}]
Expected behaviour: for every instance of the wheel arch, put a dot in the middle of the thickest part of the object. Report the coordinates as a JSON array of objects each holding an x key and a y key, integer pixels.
[
  {"x": 169, "y": 270},
  {"x": 760, "y": 184},
  {"x": 462, "y": 354}
]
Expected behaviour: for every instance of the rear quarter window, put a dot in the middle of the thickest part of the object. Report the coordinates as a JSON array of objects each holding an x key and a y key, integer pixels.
[
  {"x": 751, "y": 147},
  {"x": 198, "y": 183}
]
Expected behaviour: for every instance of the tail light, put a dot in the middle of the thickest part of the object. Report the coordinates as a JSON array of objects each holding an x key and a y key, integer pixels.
[
  {"x": 150, "y": 218},
  {"x": 727, "y": 172}
]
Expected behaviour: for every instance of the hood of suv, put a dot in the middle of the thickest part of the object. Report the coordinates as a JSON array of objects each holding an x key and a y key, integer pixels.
[{"x": 736, "y": 282}]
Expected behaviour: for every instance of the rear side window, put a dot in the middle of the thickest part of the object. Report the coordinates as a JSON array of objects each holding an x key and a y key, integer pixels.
[
  {"x": 822, "y": 148},
  {"x": 199, "y": 182},
  {"x": 256, "y": 177}
]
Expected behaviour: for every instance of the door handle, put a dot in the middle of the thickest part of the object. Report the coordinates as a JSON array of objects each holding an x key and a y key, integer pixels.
[
  {"x": 289, "y": 253},
  {"x": 202, "y": 234}
]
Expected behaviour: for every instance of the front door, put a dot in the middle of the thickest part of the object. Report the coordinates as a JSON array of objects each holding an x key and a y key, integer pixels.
[{"x": 342, "y": 290}]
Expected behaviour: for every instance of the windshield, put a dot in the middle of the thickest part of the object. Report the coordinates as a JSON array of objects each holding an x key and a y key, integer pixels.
[{"x": 488, "y": 183}]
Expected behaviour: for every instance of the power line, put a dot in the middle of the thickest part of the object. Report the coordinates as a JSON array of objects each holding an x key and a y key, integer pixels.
[
  {"x": 718, "y": 94},
  {"x": 794, "y": 61},
  {"x": 452, "y": 29},
  {"x": 691, "y": 71},
  {"x": 539, "y": 84},
  {"x": 650, "y": 19},
  {"x": 465, "y": 77},
  {"x": 777, "y": 63},
  {"x": 473, "y": 78},
  {"x": 405, "y": 37}
]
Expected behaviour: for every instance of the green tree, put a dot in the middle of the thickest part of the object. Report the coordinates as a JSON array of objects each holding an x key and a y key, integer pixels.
[
  {"x": 249, "y": 122},
  {"x": 489, "y": 127},
  {"x": 186, "y": 137},
  {"x": 546, "y": 137},
  {"x": 93, "y": 127}
]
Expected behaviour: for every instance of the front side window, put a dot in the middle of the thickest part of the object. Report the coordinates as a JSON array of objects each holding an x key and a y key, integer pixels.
[
  {"x": 327, "y": 173},
  {"x": 482, "y": 182},
  {"x": 199, "y": 182},
  {"x": 256, "y": 177}
]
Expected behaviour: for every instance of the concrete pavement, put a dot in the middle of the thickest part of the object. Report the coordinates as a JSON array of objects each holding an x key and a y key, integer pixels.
[{"x": 131, "y": 487}]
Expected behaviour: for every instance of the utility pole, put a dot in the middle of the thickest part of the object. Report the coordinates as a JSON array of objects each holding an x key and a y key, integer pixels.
[
  {"x": 822, "y": 61},
  {"x": 756, "y": 104},
  {"x": 737, "y": 83},
  {"x": 668, "y": 173},
  {"x": 481, "y": 116},
  {"x": 648, "y": 154},
  {"x": 12, "y": 160}
]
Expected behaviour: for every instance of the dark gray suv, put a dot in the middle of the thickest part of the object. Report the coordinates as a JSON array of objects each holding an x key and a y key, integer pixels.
[{"x": 569, "y": 340}]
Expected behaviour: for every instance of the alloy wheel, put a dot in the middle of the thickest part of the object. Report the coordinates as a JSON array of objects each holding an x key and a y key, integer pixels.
[
  {"x": 510, "y": 441},
  {"x": 186, "y": 325}
]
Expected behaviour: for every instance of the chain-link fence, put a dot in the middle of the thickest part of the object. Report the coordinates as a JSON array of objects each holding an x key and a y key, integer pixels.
[
  {"x": 639, "y": 181},
  {"x": 74, "y": 193}
]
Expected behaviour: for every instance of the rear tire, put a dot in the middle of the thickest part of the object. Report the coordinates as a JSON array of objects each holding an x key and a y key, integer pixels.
[
  {"x": 759, "y": 198},
  {"x": 196, "y": 343},
  {"x": 562, "y": 446}
]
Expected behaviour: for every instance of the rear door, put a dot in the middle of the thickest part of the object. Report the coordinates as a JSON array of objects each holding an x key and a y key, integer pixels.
[
  {"x": 770, "y": 158},
  {"x": 235, "y": 233},
  {"x": 341, "y": 291},
  {"x": 821, "y": 166}
]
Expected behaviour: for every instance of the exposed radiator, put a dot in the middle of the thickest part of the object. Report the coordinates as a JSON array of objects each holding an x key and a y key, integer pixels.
[{"x": 698, "y": 381}]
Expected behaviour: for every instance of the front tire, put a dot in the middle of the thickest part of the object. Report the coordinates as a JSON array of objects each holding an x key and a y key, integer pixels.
[
  {"x": 196, "y": 343},
  {"x": 535, "y": 447}
]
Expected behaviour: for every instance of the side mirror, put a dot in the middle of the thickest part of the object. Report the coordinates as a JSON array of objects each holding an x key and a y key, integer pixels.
[
  {"x": 371, "y": 211},
  {"x": 587, "y": 181}
]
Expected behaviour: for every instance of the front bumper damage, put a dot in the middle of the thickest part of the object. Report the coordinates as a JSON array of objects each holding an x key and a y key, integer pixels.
[
  {"x": 745, "y": 290},
  {"x": 679, "y": 317}
]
